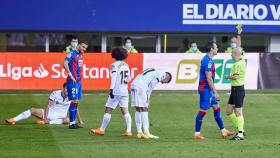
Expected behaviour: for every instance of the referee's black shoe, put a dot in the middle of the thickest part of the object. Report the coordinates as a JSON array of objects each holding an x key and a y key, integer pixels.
[{"x": 237, "y": 137}]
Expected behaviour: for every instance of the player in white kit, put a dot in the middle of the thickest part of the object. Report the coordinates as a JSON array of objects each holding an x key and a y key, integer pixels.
[
  {"x": 54, "y": 113},
  {"x": 141, "y": 89},
  {"x": 118, "y": 95}
]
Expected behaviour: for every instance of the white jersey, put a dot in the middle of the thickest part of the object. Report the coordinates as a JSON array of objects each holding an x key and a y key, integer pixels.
[
  {"x": 148, "y": 79},
  {"x": 60, "y": 105},
  {"x": 120, "y": 76}
]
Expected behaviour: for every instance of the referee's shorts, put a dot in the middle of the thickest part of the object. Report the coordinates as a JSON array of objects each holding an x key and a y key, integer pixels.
[{"x": 237, "y": 96}]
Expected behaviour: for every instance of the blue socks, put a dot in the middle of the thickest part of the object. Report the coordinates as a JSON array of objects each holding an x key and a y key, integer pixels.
[
  {"x": 73, "y": 112},
  {"x": 218, "y": 118},
  {"x": 198, "y": 121}
]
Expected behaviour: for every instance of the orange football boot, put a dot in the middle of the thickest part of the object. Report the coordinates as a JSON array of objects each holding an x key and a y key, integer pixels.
[
  {"x": 10, "y": 121},
  {"x": 199, "y": 137},
  {"x": 97, "y": 131}
]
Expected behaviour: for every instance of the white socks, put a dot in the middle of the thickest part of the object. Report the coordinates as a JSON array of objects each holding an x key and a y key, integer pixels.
[
  {"x": 127, "y": 118},
  {"x": 105, "y": 122},
  {"x": 107, "y": 118},
  {"x": 142, "y": 119},
  {"x": 24, "y": 115},
  {"x": 197, "y": 133},
  {"x": 145, "y": 121},
  {"x": 138, "y": 121}
]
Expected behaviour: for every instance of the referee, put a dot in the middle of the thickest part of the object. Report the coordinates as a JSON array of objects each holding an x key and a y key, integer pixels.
[{"x": 235, "y": 102}]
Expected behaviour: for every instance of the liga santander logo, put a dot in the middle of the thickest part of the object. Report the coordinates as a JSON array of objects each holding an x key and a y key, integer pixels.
[
  {"x": 18, "y": 72},
  {"x": 41, "y": 72},
  {"x": 55, "y": 71}
]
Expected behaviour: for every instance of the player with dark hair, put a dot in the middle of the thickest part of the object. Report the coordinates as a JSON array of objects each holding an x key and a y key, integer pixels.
[
  {"x": 73, "y": 64},
  {"x": 118, "y": 94},
  {"x": 119, "y": 54},
  {"x": 141, "y": 89},
  {"x": 209, "y": 96},
  {"x": 54, "y": 113}
]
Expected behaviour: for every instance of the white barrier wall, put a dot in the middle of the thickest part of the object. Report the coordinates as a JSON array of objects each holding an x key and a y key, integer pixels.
[{"x": 185, "y": 69}]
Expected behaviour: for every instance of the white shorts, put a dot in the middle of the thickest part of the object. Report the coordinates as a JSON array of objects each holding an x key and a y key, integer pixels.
[
  {"x": 139, "y": 97},
  {"x": 122, "y": 101},
  {"x": 52, "y": 115}
]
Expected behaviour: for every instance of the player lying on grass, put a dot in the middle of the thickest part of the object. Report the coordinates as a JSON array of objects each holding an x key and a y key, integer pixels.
[
  {"x": 54, "y": 113},
  {"x": 141, "y": 89},
  {"x": 120, "y": 76}
]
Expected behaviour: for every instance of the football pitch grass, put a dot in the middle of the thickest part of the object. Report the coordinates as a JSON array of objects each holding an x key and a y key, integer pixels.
[{"x": 172, "y": 117}]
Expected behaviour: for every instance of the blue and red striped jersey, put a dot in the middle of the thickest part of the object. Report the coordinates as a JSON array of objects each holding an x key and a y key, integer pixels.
[
  {"x": 75, "y": 64},
  {"x": 206, "y": 65}
]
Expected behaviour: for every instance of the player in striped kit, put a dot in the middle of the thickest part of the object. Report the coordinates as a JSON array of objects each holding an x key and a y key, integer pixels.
[{"x": 73, "y": 64}]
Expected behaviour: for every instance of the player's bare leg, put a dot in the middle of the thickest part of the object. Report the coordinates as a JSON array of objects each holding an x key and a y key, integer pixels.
[
  {"x": 26, "y": 114},
  {"x": 127, "y": 119}
]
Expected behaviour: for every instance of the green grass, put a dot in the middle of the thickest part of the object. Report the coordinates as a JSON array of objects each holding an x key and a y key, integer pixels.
[{"x": 172, "y": 116}]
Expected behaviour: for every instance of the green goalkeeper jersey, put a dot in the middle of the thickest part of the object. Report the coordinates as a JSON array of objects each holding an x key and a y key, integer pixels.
[{"x": 238, "y": 68}]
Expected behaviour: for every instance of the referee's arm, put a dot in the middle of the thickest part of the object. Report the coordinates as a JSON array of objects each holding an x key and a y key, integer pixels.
[{"x": 233, "y": 77}]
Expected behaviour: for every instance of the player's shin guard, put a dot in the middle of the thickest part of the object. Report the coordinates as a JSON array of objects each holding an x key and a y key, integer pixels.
[
  {"x": 127, "y": 118},
  {"x": 24, "y": 115},
  {"x": 138, "y": 121},
  {"x": 105, "y": 122},
  {"x": 198, "y": 122},
  {"x": 218, "y": 118},
  {"x": 73, "y": 112}
]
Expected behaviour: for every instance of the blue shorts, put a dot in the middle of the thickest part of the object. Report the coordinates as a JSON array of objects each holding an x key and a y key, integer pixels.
[
  {"x": 207, "y": 99},
  {"x": 74, "y": 90}
]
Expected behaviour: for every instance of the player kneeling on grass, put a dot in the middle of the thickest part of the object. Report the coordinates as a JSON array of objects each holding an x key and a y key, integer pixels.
[
  {"x": 120, "y": 76},
  {"x": 141, "y": 89},
  {"x": 54, "y": 113}
]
